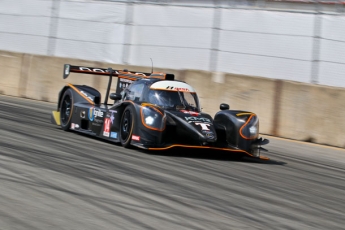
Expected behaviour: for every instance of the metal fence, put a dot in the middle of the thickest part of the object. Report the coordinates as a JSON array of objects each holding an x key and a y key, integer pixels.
[{"x": 296, "y": 40}]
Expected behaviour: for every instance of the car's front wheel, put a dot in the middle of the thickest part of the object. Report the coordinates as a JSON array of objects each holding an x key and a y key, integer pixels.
[
  {"x": 66, "y": 110},
  {"x": 127, "y": 125}
]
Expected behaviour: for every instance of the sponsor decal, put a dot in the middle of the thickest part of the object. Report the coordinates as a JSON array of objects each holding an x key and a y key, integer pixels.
[
  {"x": 106, "y": 129},
  {"x": 113, "y": 134},
  {"x": 124, "y": 85},
  {"x": 177, "y": 88},
  {"x": 93, "y": 113},
  {"x": 72, "y": 125},
  {"x": 197, "y": 119},
  {"x": 97, "y": 70},
  {"x": 98, "y": 113},
  {"x": 190, "y": 112},
  {"x": 135, "y": 138},
  {"x": 112, "y": 118},
  {"x": 67, "y": 70},
  {"x": 82, "y": 114},
  {"x": 86, "y": 95},
  {"x": 204, "y": 126},
  {"x": 209, "y": 135},
  {"x": 100, "y": 121},
  {"x": 111, "y": 115},
  {"x": 172, "y": 85},
  {"x": 125, "y": 80},
  {"x": 181, "y": 89}
]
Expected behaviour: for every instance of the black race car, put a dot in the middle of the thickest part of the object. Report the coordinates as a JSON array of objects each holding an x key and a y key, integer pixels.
[{"x": 155, "y": 112}]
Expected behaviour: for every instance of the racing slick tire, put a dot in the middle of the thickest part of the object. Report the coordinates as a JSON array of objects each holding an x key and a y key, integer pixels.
[
  {"x": 66, "y": 110},
  {"x": 126, "y": 126}
]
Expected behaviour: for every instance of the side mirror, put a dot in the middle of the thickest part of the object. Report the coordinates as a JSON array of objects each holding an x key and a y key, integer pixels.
[
  {"x": 115, "y": 96},
  {"x": 224, "y": 106}
]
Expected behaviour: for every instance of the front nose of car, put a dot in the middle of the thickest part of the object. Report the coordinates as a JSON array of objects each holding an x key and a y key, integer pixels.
[
  {"x": 203, "y": 126},
  {"x": 207, "y": 135},
  {"x": 196, "y": 127}
]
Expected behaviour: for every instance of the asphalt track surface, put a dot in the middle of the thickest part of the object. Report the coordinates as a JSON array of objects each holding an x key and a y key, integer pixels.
[{"x": 52, "y": 179}]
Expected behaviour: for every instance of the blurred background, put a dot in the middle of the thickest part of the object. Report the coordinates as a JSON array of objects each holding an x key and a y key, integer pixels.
[
  {"x": 283, "y": 60},
  {"x": 302, "y": 41}
]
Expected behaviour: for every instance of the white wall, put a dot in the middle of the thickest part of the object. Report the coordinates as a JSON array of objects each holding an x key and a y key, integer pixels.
[
  {"x": 263, "y": 43},
  {"x": 174, "y": 37},
  {"x": 332, "y": 68},
  {"x": 89, "y": 30},
  {"x": 24, "y": 25}
]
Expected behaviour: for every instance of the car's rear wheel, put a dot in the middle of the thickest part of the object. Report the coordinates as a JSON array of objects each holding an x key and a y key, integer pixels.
[
  {"x": 127, "y": 125},
  {"x": 66, "y": 110}
]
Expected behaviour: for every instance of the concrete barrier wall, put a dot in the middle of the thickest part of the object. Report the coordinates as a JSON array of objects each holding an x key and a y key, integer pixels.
[
  {"x": 10, "y": 69},
  {"x": 240, "y": 92},
  {"x": 313, "y": 113},
  {"x": 286, "y": 109}
]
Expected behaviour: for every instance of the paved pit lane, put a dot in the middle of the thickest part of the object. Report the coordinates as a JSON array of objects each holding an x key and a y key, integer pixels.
[{"x": 51, "y": 179}]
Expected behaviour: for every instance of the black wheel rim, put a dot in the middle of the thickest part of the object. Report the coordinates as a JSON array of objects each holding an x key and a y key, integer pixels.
[
  {"x": 65, "y": 110},
  {"x": 126, "y": 125}
]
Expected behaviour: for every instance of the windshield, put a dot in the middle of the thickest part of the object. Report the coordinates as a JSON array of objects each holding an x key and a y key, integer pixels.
[{"x": 174, "y": 99}]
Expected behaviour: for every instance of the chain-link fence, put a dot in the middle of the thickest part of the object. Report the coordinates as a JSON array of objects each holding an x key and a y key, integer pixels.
[{"x": 297, "y": 40}]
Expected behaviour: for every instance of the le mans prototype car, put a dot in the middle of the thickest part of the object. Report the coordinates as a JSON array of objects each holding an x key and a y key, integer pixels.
[{"x": 155, "y": 112}]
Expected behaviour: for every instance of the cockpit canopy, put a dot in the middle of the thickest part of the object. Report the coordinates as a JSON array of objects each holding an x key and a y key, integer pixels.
[{"x": 174, "y": 95}]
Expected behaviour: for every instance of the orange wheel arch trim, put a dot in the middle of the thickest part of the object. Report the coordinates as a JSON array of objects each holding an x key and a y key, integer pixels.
[{"x": 76, "y": 89}]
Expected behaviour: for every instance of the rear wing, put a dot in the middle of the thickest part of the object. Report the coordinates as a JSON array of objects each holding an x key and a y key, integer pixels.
[{"x": 125, "y": 77}]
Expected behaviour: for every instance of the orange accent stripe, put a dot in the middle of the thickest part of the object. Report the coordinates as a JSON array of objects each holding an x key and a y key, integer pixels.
[
  {"x": 142, "y": 119},
  {"x": 172, "y": 90},
  {"x": 129, "y": 78},
  {"x": 200, "y": 147},
  {"x": 147, "y": 104},
  {"x": 264, "y": 158},
  {"x": 158, "y": 75},
  {"x": 129, "y": 101},
  {"x": 75, "y": 89},
  {"x": 244, "y": 137},
  {"x": 149, "y": 127},
  {"x": 152, "y": 106},
  {"x": 208, "y": 147}
]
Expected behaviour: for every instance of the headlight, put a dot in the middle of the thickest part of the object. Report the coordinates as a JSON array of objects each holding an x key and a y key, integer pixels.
[
  {"x": 152, "y": 117},
  {"x": 149, "y": 120},
  {"x": 253, "y": 130},
  {"x": 250, "y": 129}
]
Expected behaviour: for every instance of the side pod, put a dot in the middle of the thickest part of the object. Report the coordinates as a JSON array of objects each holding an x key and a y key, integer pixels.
[{"x": 241, "y": 130}]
